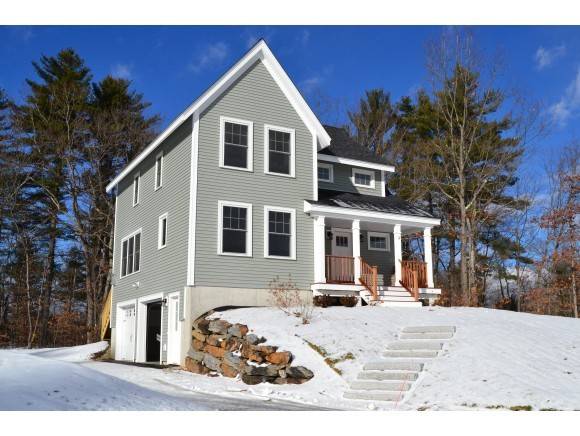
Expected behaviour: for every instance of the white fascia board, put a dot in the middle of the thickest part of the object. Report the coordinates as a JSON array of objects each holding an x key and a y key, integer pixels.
[
  {"x": 364, "y": 215},
  {"x": 260, "y": 51},
  {"x": 356, "y": 163}
]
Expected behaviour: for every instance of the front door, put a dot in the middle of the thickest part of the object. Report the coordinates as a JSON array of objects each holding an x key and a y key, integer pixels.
[
  {"x": 173, "y": 330},
  {"x": 341, "y": 243},
  {"x": 153, "y": 336}
]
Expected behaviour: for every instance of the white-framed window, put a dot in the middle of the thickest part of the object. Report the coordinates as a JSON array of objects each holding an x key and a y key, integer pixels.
[
  {"x": 234, "y": 228},
  {"x": 159, "y": 171},
  {"x": 236, "y": 144},
  {"x": 363, "y": 178},
  {"x": 279, "y": 233},
  {"x": 279, "y": 150},
  {"x": 162, "y": 232},
  {"x": 325, "y": 172},
  {"x": 136, "y": 188},
  {"x": 378, "y": 241},
  {"x": 131, "y": 254}
]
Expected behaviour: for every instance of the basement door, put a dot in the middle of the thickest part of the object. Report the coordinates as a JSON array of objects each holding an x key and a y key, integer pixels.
[
  {"x": 127, "y": 334},
  {"x": 173, "y": 330}
]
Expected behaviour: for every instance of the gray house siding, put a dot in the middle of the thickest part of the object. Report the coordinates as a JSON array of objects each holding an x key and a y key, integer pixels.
[
  {"x": 162, "y": 270},
  {"x": 254, "y": 97},
  {"x": 343, "y": 181}
]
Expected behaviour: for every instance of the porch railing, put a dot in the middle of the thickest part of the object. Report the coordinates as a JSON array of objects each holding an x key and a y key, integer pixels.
[
  {"x": 339, "y": 269},
  {"x": 369, "y": 278},
  {"x": 414, "y": 276}
]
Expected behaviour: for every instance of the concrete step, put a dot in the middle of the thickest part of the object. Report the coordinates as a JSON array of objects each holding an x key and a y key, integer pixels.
[
  {"x": 429, "y": 329},
  {"x": 378, "y": 385},
  {"x": 389, "y": 303},
  {"x": 414, "y": 344},
  {"x": 436, "y": 335},
  {"x": 388, "y": 375},
  {"x": 395, "y": 293},
  {"x": 395, "y": 365},
  {"x": 397, "y": 298},
  {"x": 411, "y": 353},
  {"x": 373, "y": 395}
]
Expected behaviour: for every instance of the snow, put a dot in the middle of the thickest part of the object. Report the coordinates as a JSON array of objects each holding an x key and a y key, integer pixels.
[{"x": 497, "y": 359}]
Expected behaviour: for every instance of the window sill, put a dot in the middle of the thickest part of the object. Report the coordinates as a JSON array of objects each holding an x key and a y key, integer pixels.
[
  {"x": 129, "y": 275},
  {"x": 378, "y": 249},
  {"x": 226, "y": 167},
  {"x": 235, "y": 254},
  {"x": 158, "y": 188},
  {"x": 161, "y": 247},
  {"x": 280, "y": 257},
  {"x": 288, "y": 176}
]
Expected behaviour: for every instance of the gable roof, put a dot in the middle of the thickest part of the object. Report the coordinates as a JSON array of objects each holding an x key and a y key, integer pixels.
[
  {"x": 260, "y": 51},
  {"x": 343, "y": 146}
]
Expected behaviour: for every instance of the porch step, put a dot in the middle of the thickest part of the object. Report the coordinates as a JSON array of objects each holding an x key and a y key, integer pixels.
[
  {"x": 409, "y": 304},
  {"x": 397, "y": 298},
  {"x": 396, "y": 365},
  {"x": 411, "y": 353},
  {"x": 378, "y": 385},
  {"x": 388, "y": 375},
  {"x": 429, "y": 329},
  {"x": 435, "y": 335},
  {"x": 415, "y": 345},
  {"x": 372, "y": 395}
]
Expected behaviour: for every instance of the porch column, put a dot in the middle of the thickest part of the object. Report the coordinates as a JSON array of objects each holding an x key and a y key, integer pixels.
[
  {"x": 319, "y": 250},
  {"x": 356, "y": 248},
  {"x": 428, "y": 256},
  {"x": 398, "y": 254}
]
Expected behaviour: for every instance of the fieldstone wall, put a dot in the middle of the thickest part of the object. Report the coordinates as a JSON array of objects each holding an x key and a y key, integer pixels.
[{"x": 218, "y": 347}]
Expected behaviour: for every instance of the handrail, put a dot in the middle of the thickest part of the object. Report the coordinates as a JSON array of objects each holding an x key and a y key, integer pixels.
[
  {"x": 339, "y": 269},
  {"x": 369, "y": 278},
  {"x": 106, "y": 314},
  {"x": 420, "y": 268},
  {"x": 413, "y": 276}
]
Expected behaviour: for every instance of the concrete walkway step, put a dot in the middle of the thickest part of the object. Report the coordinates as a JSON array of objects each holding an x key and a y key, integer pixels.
[
  {"x": 415, "y": 345},
  {"x": 388, "y": 365},
  {"x": 388, "y": 375},
  {"x": 411, "y": 353},
  {"x": 378, "y": 385},
  {"x": 435, "y": 335},
  {"x": 372, "y": 395},
  {"x": 389, "y": 303},
  {"x": 429, "y": 329}
]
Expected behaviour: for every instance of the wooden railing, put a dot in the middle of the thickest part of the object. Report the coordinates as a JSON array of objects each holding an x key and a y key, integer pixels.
[
  {"x": 339, "y": 269},
  {"x": 106, "y": 314},
  {"x": 414, "y": 276},
  {"x": 369, "y": 278}
]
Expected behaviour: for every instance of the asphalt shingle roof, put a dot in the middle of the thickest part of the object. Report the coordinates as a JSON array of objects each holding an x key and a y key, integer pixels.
[
  {"x": 342, "y": 145},
  {"x": 388, "y": 204}
]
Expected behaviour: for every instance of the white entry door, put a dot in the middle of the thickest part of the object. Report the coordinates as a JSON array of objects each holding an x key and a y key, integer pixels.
[
  {"x": 173, "y": 330},
  {"x": 341, "y": 243},
  {"x": 127, "y": 334}
]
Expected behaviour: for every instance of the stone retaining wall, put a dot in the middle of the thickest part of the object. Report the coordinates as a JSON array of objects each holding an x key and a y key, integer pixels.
[{"x": 218, "y": 347}]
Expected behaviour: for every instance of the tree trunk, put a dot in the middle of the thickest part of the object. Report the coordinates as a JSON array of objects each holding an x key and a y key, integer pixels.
[{"x": 47, "y": 292}]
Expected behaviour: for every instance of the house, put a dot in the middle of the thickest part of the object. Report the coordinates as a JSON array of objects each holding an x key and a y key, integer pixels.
[{"x": 244, "y": 186}]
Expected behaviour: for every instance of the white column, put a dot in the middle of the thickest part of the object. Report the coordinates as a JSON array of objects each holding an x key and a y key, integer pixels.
[
  {"x": 398, "y": 254},
  {"x": 319, "y": 250},
  {"x": 356, "y": 248},
  {"x": 428, "y": 256}
]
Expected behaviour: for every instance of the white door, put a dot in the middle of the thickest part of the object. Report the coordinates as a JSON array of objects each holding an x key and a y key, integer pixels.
[
  {"x": 341, "y": 243},
  {"x": 127, "y": 336},
  {"x": 173, "y": 330}
]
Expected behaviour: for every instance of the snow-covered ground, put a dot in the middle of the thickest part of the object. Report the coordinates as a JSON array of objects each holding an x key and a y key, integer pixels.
[{"x": 497, "y": 359}]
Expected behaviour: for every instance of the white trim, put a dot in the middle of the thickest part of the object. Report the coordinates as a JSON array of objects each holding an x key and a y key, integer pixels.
[
  {"x": 371, "y": 174},
  {"x": 292, "y": 132},
  {"x": 160, "y": 244},
  {"x": 250, "y": 147},
  {"x": 172, "y": 296},
  {"x": 192, "y": 201},
  {"x": 379, "y": 217},
  {"x": 398, "y": 257},
  {"x": 379, "y": 235},
  {"x": 355, "y": 162},
  {"x": 129, "y": 236},
  {"x": 249, "y": 239},
  {"x": 330, "y": 168},
  {"x": 428, "y": 256},
  {"x": 292, "y": 213},
  {"x": 314, "y": 168},
  {"x": 319, "y": 249},
  {"x": 383, "y": 184},
  {"x": 158, "y": 183},
  {"x": 260, "y": 51},
  {"x": 114, "y": 237},
  {"x": 136, "y": 177},
  {"x": 141, "y": 336}
]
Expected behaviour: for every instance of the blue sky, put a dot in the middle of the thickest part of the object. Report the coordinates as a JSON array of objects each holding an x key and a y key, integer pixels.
[{"x": 172, "y": 65}]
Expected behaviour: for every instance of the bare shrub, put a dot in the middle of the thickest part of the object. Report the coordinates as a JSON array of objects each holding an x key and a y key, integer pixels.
[{"x": 286, "y": 296}]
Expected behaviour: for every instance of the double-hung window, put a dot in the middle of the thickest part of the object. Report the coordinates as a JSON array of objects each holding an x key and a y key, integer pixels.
[
  {"x": 279, "y": 232},
  {"x": 131, "y": 254},
  {"x": 236, "y": 144},
  {"x": 363, "y": 178},
  {"x": 378, "y": 241},
  {"x": 325, "y": 172},
  {"x": 136, "y": 188},
  {"x": 158, "y": 171},
  {"x": 279, "y": 145},
  {"x": 162, "y": 232},
  {"x": 235, "y": 228}
]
